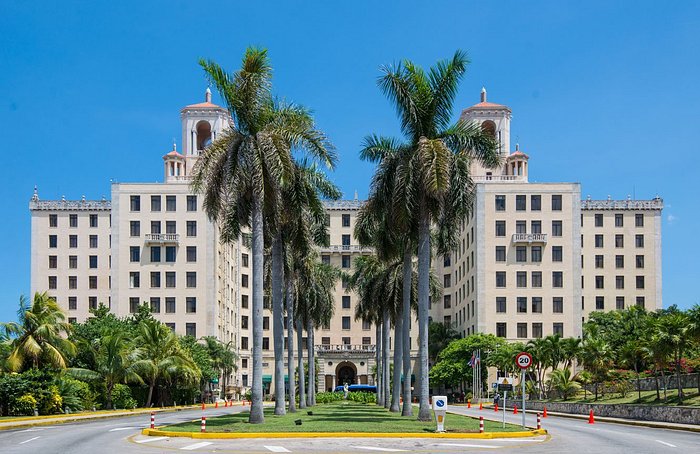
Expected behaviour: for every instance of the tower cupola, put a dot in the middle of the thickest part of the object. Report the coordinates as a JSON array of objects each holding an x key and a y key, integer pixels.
[
  {"x": 175, "y": 169},
  {"x": 516, "y": 164}
]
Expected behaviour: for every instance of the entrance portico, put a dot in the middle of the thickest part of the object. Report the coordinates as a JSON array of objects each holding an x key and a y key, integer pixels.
[{"x": 344, "y": 363}]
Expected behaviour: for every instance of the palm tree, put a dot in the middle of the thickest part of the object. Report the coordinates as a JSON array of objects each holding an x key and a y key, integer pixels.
[
  {"x": 596, "y": 357},
  {"x": 223, "y": 358},
  {"x": 632, "y": 355},
  {"x": 674, "y": 331},
  {"x": 160, "y": 357},
  {"x": 570, "y": 348},
  {"x": 440, "y": 336},
  {"x": 539, "y": 349},
  {"x": 240, "y": 174},
  {"x": 563, "y": 383},
  {"x": 433, "y": 178},
  {"x": 37, "y": 339}
]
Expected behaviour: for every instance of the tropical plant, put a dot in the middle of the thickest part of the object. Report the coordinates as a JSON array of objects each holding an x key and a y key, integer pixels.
[
  {"x": 563, "y": 383},
  {"x": 675, "y": 331},
  {"x": 433, "y": 175},
  {"x": 37, "y": 339},
  {"x": 597, "y": 358}
]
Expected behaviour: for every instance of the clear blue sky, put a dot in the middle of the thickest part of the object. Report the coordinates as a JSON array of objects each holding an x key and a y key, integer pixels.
[{"x": 603, "y": 93}]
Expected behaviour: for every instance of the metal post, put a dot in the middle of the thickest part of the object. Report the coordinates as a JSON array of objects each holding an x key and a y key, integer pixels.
[
  {"x": 505, "y": 396},
  {"x": 153, "y": 420},
  {"x": 522, "y": 380}
]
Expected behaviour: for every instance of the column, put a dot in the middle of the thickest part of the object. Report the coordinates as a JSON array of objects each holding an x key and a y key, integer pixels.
[{"x": 333, "y": 381}]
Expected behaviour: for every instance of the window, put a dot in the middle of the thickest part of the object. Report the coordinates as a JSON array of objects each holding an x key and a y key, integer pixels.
[
  {"x": 639, "y": 240},
  {"x": 536, "y": 226},
  {"x": 600, "y": 282},
  {"x": 536, "y": 279},
  {"x": 500, "y": 228},
  {"x": 244, "y": 280},
  {"x": 73, "y": 220},
  {"x": 619, "y": 241},
  {"x": 244, "y": 260},
  {"x": 520, "y": 227},
  {"x": 170, "y": 204},
  {"x": 155, "y": 254},
  {"x": 93, "y": 220},
  {"x": 155, "y": 279},
  {"x": 346, "y": 322},
  {"x": 501, "y": 304},
  {"x": 346, "y": 241},
  {"x": 170, "y": 253},
  {"x": 556, "y": 202},
  {"x": 447, "y": 280},
  {"x": 500, "y": 253},
  {"x": 639, "y": 220},
  {"x": 558, "y": 329},
  {"x": 500, "y": 279},
  {"x": 640, "y": 301},
  {"x": 53, "y": 241},
  {"x": 53, "y": 220},
  {"x": 169, "y": 305},
  {"x": 521, "y": 305},
  {"x": 599, "y": 220},
  {"x": 537, "y": 330},
  {"x": 619, "y": 261},
  {"x": 191, "y": 279},
  {"x": 244, "y": 322},
  {"x": 557, "y": 279},
  {"x": 501, "y": 329},
  {"x": 535, "y": 202},
  {"x": 346, "y": 261},
  {"x": 620, "y": 303},
  {"x": 536, "y": 253},
  {"x": 599, "y": 261},
  {"x": 191, "y": 330},
  {"x": 72, "y": 282},
  {"x": 134, "y": 253},
  {"x": 92, "y": 282},
  {"x": 639, "y": 261},
  {"x": 522, "y": 330},
  {"x": 520, "y": 203},
  {"x": 155, "y": 305},
  {"x": 191, "y": 305},
  {"x": 53, "y": 261},
  {"x": 640, "y": 282},
  {"x": 521, "y": 254},
  {"x": 346, "y": 220},
  {"x": 346, "y": 301},
  {"x": 521, "y": 279},
  {"x": 133, "y": 305},
  {"x": 266, "y": 323},
  {"x": 135, "y": 203},
  {"x": 500, "y": 203},
  {"x": 72, "y": 262},
  {"x": 536, "y": 305},
  {"x": 244, "y": 301},
  {"x": 191, "y": 228},
  {"x": 447, "y": 260},
  {"x": 134, "y": 228},
  {"x": 619, "y": 220},
  {"x": 73, "y": 241},
  {"x": 326, "y": 259},
  {"x": 93, "y": 241},
  {"x": 191, "y": 203},
  {"x": 72, "y": 303},
  {"x": 155, "y": 227},
  {"x": 171, "y": 326},
  {"x": 191, "y": 253},
  {"x": 170, "y": 227},
  {"x": 619, "y": 282},
  {"x": 155, "y": 203},
  {"x": 366, "y": 341},
  {"x": 599, "y": 303},
  {"x": 93, "y": 261},
  {"x": 599, "y": 241},
  {"x": 170, "y": 279},
  {"x": 53, "y": 282},
  {"x": 134, "y": 279},
  {"x": 558, "y": 305},
  {"x": 366, "y": 325},
  {"x": 557, "y": 229}
]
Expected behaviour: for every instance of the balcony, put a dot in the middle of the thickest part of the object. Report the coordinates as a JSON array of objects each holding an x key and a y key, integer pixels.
[
  {"x": 499, "y": 178},
  {"x": 162, "y": 238},
  {"x": 346, "y": 348},
  {"x": 529, "y": 238},
  {"x": 339, "y": 248}
]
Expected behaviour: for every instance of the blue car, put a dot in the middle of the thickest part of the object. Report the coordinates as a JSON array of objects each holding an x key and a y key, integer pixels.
[{"x": 357, "y": 388}]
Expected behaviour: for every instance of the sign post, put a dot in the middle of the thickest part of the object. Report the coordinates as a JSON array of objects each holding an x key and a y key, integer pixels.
[
  {"x": 524, "y": 361},
  {"x": 440, "y": 410},
  {"x": 505, "y": 384}
]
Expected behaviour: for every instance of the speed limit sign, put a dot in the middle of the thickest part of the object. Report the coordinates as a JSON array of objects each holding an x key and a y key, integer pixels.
[{"x": 523, "y": 360}]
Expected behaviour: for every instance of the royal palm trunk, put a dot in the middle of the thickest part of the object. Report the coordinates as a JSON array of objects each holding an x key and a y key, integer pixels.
[
  {"x": 300, "y": 365},
  {"x": 380, "y": 369},
  {"x": 407, "y": 409},
  {"x": 423, "y": 307},
  {"x": 311, "y": 393},
  {"x": 386, "y": 333},
  {"x": 278, "y": 322},
  {"x": 398, "y": 366},
  {"x": 290, "y": 348},
  {"x": 256, "y": 406}
]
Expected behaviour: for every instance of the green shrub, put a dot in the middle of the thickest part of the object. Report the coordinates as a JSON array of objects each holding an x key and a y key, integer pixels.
[
  {"x": 328, "y": 397},
  {"x": 23, "y": 406},
  {"x": 50, "y": 401},
  {"x": 363, "y": 397},
  {"x": 121, "y": 397},
  {"x": 75, "y": 394}
]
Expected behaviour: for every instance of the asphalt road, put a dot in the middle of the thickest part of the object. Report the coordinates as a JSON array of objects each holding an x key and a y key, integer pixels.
[{"x": 120, "y": 435}]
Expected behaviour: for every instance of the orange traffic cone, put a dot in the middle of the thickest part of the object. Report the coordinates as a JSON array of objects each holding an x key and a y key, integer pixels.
[
  {"x": 481, "y": 406},
  {"x": 495, "y": 407},
  {"x": 544, "y": 413},
  {"x": 591, "y": 420},
  {"x": 216, "y": 404},
  {"x": 469, "y": 403},
  {"x": 515, "y": 409},
  {"x": 203, "y": 406},
  {"x": 244, "y": 402}
]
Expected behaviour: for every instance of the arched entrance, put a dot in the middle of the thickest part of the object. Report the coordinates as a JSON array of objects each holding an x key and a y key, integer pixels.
[{"x": 346, "y": 372}]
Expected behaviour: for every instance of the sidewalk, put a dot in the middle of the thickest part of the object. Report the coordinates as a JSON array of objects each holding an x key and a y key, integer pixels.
[{"x": 31, "y": 421}]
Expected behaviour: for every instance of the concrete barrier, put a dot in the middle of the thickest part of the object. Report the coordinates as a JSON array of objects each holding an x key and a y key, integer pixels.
[{"x": 680, "y": 415}]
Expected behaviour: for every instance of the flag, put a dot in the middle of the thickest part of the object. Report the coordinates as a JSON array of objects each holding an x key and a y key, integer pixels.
[{"x": 471, "y": 361}]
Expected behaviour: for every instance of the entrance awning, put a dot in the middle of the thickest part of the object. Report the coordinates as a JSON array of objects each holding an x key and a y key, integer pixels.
[{"x": 267, "y": 378}]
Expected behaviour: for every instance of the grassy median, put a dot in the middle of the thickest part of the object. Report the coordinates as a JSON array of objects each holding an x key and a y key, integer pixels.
[{"x": 339, "y": 417}]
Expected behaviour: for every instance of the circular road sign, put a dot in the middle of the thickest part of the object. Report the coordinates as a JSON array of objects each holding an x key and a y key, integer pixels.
[{"x": 523, "y": 360}]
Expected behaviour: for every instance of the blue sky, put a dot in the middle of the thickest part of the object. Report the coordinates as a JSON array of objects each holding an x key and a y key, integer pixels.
[{"x": 603, "y": 93}]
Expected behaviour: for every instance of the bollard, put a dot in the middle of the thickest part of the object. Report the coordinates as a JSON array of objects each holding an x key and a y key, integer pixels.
[
  {"x": 515, "y": 409},
  {"x": 481, "y": 406},
  {"x": 495, "y": 407},
  {"x": 153, "y": 420},
  {"x": 544, "y": 413},
  {"x": 469, "y": 403},
  {"x": 591, "y": 420},
  {"x": 204, "y": 423},
  {"x": 481, "y": 424},
  {"x": 539, "y": 422},
  {"x": 203, "y": 406}
]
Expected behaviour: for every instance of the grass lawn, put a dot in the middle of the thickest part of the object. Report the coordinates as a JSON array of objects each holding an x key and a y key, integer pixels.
[
  {"x": 339, "y": 417},
  {"x": 691, "y": 398}
]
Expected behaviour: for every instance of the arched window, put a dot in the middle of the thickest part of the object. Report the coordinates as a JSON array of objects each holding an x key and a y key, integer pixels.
[
  {"x": 203, "y": 134},
  {"x": 490, "y": 127}
]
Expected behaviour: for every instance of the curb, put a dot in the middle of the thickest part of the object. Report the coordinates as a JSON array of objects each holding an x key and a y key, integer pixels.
[{"x": 228, "y": 435}]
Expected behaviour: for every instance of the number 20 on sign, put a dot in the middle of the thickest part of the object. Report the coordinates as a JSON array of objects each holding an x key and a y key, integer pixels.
[{"x": 523, "y": 360}]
